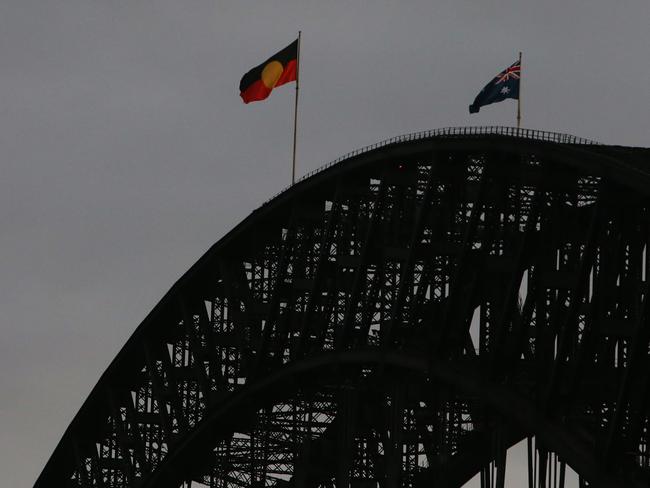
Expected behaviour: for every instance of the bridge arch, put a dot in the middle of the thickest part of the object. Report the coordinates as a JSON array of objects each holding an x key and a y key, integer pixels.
[{"x": 477, "y": 285}]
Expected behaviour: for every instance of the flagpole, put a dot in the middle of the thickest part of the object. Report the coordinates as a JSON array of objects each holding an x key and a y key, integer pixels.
[
  {"x": 519, "y": 97},
  {"x": 295, "y": 112}
]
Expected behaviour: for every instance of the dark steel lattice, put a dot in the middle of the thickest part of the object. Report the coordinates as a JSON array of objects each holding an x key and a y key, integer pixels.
[{"x": 400, "y": 318}]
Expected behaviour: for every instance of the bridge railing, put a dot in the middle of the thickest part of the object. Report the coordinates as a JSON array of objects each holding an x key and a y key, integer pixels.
[{"x": 454, "y": 132}]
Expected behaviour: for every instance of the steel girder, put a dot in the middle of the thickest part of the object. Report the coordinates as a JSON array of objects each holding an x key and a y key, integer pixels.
[{"x": 399, "y": 319}]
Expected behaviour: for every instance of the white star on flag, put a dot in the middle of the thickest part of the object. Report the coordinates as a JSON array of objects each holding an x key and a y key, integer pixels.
[{"x": 505, "y": 90}]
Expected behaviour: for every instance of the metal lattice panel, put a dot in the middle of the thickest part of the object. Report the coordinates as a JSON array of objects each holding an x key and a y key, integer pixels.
[{"x": 400, "y": 319}]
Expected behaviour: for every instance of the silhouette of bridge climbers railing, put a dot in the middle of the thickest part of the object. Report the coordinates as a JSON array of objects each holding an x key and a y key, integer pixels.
[{"x": 454, "y": 132}]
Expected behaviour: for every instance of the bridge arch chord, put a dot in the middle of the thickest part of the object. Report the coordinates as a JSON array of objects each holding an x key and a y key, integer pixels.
[{"x": 399, "y": 318}]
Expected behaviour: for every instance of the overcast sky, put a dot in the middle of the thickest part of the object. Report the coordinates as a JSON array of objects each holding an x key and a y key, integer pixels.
[{"x": 125, "y": 150}]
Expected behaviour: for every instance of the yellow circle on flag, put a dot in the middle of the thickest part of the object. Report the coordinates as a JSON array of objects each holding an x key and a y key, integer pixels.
[{"x": 271, "y": 73}]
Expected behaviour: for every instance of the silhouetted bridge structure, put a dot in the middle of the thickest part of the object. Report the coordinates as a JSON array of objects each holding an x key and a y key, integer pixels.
[{"x": 398, "y": 319}]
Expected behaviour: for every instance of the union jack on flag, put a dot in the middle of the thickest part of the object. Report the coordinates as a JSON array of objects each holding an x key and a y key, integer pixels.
[
  {"x": 502, "y": 86},
  {"x": 511, "y": 72}
]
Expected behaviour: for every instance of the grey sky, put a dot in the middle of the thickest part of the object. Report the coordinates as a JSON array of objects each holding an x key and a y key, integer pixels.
[{"x": 125, "y": 150}]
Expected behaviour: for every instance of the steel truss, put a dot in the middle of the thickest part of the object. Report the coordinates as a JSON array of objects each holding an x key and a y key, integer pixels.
[{"x": 398, "y": 320}]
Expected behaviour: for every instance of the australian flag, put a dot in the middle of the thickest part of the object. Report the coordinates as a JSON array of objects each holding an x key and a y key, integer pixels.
[{"x": 504, "y": 85}]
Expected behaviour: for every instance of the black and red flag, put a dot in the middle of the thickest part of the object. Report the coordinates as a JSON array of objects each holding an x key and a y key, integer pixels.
[{"x": 279, "y": 69}]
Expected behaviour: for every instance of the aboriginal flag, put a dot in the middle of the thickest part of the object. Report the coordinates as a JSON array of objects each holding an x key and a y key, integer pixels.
[{"x": 279, "y": 69}]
